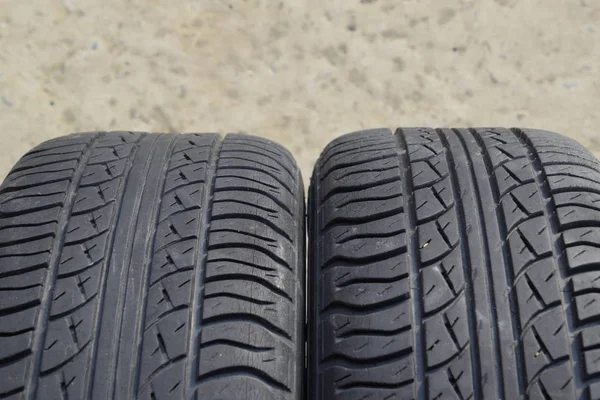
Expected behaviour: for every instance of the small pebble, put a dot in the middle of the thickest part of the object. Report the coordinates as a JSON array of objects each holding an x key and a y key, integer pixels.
[{"x": 7, "y": 101}]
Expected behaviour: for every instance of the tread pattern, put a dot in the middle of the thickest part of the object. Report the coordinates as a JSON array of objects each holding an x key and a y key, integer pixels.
[
  {"x": 72, "y": 325},
  {"x": 362, "y": 331},
  {"x": 32, "y": 223},
  {"x": 212, "y": 294},
  {"x": 481, "y": 283},
  {"x": 170, "y": 281},
  {"x": 253, "y": 306}
]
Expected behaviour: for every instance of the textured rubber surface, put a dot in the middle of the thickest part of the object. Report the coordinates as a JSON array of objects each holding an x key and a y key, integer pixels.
[
  {"x": 455, "y": 264},
  {"x": 152, "y": 267}
]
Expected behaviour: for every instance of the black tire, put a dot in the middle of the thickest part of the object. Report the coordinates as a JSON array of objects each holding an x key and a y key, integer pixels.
[
  {"x": 152, "y": 266},
  {"x": 455, "y": 264}
]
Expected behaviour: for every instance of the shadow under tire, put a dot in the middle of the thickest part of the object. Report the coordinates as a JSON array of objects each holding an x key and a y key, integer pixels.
[
  {"x": 454, "y": 264},
  {"x": 152, "y": 266}
]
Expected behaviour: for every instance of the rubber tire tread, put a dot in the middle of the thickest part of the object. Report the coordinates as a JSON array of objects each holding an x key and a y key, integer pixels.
[
  {"x": 152, "y": 266},
  {"x": 454, "y": 264}
]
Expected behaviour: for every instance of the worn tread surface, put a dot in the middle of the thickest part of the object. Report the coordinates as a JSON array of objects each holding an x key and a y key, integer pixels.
[
  {"x": 147, "y": 266},
  {"x": 454, "y": 264}
]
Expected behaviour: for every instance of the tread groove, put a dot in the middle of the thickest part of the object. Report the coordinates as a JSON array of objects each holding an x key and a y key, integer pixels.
[
  {"x": 500, "y": 217},
  {"x": 256, "y": 218},
  {"x": 241, "y": 370},
  {"x": 131, "y": 158},
  {"x": 488, "y": 267},
  {"x": 150, "y": 246},
  {"x": 413, "y": 258},
  {"x": 245, "y": 317},
  {"x": 277, "y": 201},
  {"x": 252, "y": 278},
  {"x": 353, "y": 221},
  {"x": 467, "y": 271}
]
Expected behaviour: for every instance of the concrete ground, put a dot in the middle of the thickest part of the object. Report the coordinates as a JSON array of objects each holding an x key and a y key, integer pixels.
[{"x": 299, "y": 72}]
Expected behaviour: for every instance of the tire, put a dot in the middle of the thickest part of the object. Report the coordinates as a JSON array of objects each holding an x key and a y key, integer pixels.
[
  {"x": 455, "y": 264},
  {"x": 152, "y": 266}
]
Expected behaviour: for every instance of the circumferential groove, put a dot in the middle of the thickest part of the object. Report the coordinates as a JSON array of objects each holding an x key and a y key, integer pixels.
[
  {"x": 466, "y": 257},
  {"x": 414, "y": 264}
]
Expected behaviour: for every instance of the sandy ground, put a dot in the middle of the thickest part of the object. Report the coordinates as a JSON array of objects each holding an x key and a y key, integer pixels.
[{"x": 299, "y": 72}]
